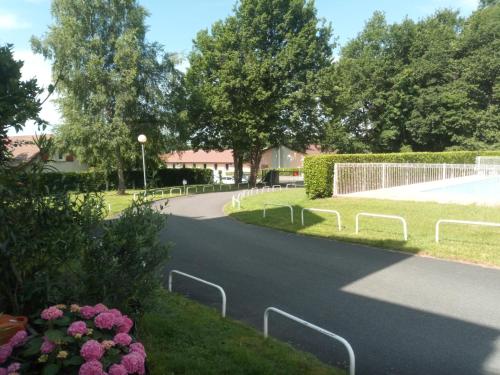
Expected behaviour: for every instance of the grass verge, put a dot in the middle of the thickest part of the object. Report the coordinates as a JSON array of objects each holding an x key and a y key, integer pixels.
[
  {"x": 466, "y": 243},
  {"x": 184, "y": 337}
]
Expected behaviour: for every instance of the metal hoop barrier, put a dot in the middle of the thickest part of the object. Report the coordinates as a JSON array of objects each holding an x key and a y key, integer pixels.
[
  {"x": 236, "y": 201},
  {"x": 218, "y": 287},
  {"x": 290, "y": 185},
  {"x": 172, "y": 189},
  {"x": 352, "y": 361},
  {"x": 191, "y": 187},
  {"x": 208, "y": 187},
  {"x": 278, "y": 205},
  {"x": 465, "y": 222},
  {"x": 403, "y": 221},
  {"x": 276, "y": 186},
  {"x": 335, "y": 212}
]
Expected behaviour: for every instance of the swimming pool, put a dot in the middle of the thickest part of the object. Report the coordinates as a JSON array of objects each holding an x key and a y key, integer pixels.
[{"x": 489, "y": 186}]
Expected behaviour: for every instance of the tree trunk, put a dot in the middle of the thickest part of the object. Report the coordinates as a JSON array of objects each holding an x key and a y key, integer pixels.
[
  {"x": 255, "y": 157},
  {"x": 121, "y": 175},
  {"x": 238, "y": 166}
]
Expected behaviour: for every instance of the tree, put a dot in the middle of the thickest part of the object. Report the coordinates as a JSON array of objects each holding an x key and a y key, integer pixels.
[
  {"x": 254, "y": 79},
  {"x": 18, "y": 99},
  {"x": 112, "y": 84}
]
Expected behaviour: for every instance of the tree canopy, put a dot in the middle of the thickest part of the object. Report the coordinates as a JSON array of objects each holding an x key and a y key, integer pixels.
[
  {"x": 113, "y": 85},
  {"x": 253, "y": 80}
]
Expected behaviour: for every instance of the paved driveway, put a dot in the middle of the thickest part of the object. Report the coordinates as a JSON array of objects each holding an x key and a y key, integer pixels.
[{"x": 402, "y": 314}]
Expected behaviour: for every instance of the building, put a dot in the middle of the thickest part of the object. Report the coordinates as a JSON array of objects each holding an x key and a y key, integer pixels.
[
  {"x": 284, "y": 157},
  {"x": 24, "y": 149},
  {"x": 218, "y": 161}
]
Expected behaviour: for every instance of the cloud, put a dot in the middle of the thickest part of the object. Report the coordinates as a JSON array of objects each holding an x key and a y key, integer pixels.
[
  {"x": 10, "y": 21},
  {"x": 35, "y": 66}
]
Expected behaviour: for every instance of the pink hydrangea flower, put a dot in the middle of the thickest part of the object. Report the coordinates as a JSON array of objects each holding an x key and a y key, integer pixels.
[
  {"x": 91, "y": 368},
  {"x": 5, "y": 352},
  {"x": 47, "y": 346},
  {"x": 122, "y": 339},
  {"x": 124, "y": 324},
  {"x": 91, "y": 351},
  {"x": 100, "y": 308},
  {"x": 117, "y": 370},
  {"x": 51, "y": 313},
  {"x": 138, "y": 348},
  {"x": 105, "y": 320},
  {"x": 115, "y": 312},
  {"x": 3, "y": 371},
  {"x": 78, "y": 327},
  {"x": 133, "y": 363},
  {"x": 88, "y": 312},
  {"x": 19, "y": 339},
  {"x": 14, "y": 367}
]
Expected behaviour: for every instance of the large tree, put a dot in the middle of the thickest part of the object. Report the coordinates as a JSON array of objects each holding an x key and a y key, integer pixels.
[
  {"x": 113, "y": 85},
  {"x": 18, "y": 99},
  {"x": 254, "y": 79}
]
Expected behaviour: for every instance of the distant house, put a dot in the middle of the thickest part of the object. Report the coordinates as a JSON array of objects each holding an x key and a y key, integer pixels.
[
  {"x": 23, "y": 149},
  {"x": 218, "y": 161},
  {"x": 284, "y": 157}
]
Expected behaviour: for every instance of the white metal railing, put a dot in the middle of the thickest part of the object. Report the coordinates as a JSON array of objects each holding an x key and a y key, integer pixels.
[
  {"x": 236, "y": 201},
  {"x": 287, "y": 186},
  {"x": 335, "y": 212},
  {"x": 218, "y": 287},
  {"x": 276, "y": 186},
  {"x": 463, "y": 222},
  {"x": 403, "y": 221},
  {"x": 278, "y": 205},
  {"x": 488, "y": 160},
  {"x": 208, "y": 187},
  {"x": 191, "y": 187},
  {"x": 343, "y": 341},
  {"x": 357, "y": 177},
  {"x": 175, "y": 188}
]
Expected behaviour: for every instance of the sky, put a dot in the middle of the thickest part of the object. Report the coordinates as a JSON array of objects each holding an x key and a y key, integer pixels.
[{"x": 174, "y": 24}]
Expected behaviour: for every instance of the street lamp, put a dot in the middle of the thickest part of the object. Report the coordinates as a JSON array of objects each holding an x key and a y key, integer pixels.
[{"x": 142, "y": 139}]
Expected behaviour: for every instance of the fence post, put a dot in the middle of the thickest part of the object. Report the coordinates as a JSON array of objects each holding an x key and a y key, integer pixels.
[
  {"x": 383, "y": 175},
  {"x": 335, "y": 180},
  {"x": 444, "y": 171}
]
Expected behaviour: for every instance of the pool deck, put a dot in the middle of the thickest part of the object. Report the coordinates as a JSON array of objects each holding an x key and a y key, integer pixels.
[{"x": 417, "y": 192}]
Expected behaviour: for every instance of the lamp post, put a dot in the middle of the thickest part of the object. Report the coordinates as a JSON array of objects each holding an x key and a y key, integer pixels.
[{"x": 142, "y": 140}]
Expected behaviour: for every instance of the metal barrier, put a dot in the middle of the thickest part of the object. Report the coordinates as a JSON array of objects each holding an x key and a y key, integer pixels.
[
  {"x": 208, "y": 187},
  {"x": 221, "y": 290},
  {"x": 176, "y": 188},
  {"x": 466, "y": 222},
  {"x": 236, "y": 200},
  {"x": 322, "y": 210},
  {"x": 352, "y": 361},
  {"x": 278, "y": 205},
  {"x": 405, "y": 226},
  {"x": 291, "y": 185},
  {"x": 191, "y": 187},
  {"x": 276, "y": 186}
]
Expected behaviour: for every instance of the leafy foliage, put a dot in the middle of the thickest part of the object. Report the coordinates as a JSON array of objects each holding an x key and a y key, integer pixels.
[{"x": 318, "y": 169}]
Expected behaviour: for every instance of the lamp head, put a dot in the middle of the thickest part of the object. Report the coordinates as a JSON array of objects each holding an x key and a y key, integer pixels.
[{"x": 142, "y": 138}]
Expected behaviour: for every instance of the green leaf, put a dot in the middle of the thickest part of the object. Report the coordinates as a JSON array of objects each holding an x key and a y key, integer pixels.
[
  {"x": 64, "y": 321},
  {"x": 76, "y": 360},
  {"x": 32, "y": 347},
  {"x": 51, "y": 369},
  {"x": 54, "y": 335}
]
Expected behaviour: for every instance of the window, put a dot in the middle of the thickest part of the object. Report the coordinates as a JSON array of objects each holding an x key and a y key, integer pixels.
[
  {"x": 204, "y": 166},
  {"x": 227, "y": 167},
  {"x": 60, "y": 156},
  {"x": 215, "y": 166},
  {"x": 183, "y": 165}
]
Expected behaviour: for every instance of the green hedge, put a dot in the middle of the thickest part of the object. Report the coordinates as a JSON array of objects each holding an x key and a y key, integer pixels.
[
  {"x": 96, "y": 181},
  {"x": 318, "y": 169}
]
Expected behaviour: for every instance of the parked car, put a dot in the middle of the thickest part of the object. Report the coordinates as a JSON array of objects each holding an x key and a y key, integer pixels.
[{"x": 228, "y": 180}]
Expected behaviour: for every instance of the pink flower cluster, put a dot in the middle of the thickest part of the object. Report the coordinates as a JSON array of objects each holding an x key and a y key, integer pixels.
[
  {"x": 51, "y": 313},
  {"x": 47, "y": 346},
  {"x": 77, "y": 328},
  {"x": 19, "y": 339}
]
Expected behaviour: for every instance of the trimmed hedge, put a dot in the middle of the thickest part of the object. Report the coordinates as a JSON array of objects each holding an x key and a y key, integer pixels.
[
  {"x": 318, "y": 169},
  {"x": 96, "y": 181}
]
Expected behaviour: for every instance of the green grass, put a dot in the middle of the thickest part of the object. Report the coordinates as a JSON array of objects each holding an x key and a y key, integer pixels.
[
  {"x": 466, "y": 243},
  {"x": 184, "y": 337}
]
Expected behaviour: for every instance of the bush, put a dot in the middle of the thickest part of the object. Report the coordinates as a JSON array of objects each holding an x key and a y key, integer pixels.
[
  {"x": 97, "y": 181},
  {"x": 78, "y": 340},
  {"x": 318, "y": 169}
]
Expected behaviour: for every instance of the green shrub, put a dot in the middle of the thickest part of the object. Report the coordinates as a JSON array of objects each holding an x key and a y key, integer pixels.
[{"x": 318, "y": 169}]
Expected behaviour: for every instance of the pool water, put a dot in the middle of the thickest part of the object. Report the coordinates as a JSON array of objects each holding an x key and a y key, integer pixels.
[{"x": 488, "y": 187}]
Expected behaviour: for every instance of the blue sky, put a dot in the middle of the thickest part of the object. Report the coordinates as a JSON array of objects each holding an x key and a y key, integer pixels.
[{"x": 174, "y": 23}]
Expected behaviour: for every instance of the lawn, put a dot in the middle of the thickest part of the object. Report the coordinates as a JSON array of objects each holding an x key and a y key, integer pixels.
[
  {"x": 184, "y": 337},
  {"x": 466, "y": 243}
]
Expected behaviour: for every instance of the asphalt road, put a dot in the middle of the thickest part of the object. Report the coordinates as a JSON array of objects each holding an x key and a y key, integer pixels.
[{"x": 402, "y": 314}]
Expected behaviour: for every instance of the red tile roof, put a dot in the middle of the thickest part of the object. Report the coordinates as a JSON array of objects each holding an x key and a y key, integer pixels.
[
  {"x": 23, "y": 147},
  {"x": 190, "y": 156}
]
